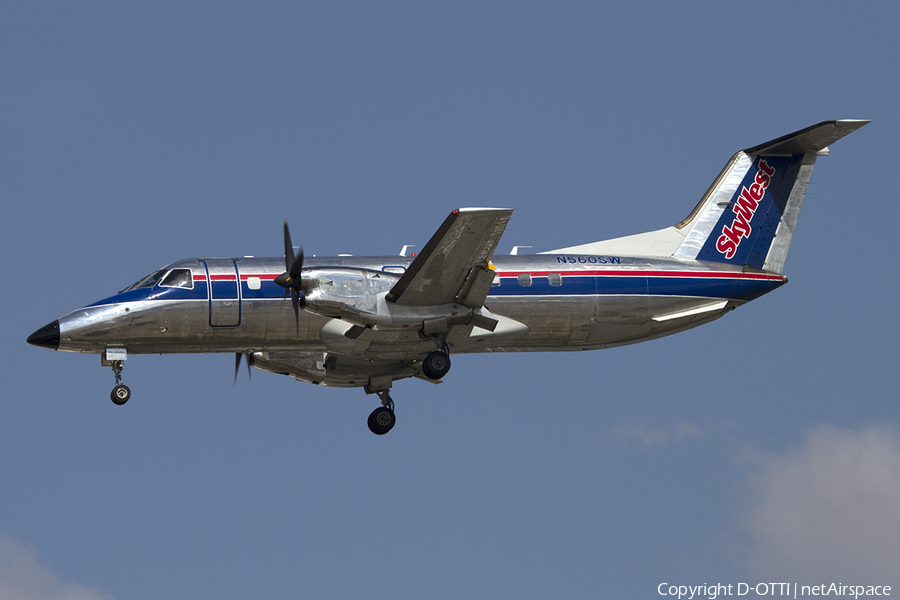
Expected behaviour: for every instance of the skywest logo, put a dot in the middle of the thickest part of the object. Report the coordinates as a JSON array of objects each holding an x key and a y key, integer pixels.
[{"x": 744, "y": 207}]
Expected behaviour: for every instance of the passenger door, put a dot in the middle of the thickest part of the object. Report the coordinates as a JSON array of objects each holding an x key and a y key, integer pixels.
[{"x": 224, "y": 292}]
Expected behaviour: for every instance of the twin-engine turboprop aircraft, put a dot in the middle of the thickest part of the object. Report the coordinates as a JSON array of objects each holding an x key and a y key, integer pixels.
[{"x": 367, "y": 322}]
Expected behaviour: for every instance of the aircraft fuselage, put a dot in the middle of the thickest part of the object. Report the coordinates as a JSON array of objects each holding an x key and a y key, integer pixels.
[{"x": 544, "y": 302}]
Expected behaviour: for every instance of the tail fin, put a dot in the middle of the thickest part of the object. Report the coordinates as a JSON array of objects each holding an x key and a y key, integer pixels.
[
  {"x": 748, "y": 215},
  {"x": 749, "y": 218}
]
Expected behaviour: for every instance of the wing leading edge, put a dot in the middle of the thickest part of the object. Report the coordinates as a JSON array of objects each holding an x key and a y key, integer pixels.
[{"x": 454, "y": 266}]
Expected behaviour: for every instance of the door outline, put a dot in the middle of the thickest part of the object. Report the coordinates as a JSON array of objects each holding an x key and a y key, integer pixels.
[{"x": 224, "y": 299}]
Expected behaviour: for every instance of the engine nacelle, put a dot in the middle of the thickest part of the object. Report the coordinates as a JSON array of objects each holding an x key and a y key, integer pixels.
[{"x": 355, "y": 295}]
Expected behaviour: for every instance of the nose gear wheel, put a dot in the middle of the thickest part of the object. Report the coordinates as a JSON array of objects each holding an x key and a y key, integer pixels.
[{"x": 121, "y": 393}]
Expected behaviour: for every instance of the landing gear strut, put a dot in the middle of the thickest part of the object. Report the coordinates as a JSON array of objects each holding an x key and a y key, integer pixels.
[
  {"x": 382, "y": 418},
  {"x": 120, "y": 394}
]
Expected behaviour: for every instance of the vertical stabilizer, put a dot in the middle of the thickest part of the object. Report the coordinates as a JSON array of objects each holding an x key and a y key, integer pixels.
[{"x": 748, "y": 215}]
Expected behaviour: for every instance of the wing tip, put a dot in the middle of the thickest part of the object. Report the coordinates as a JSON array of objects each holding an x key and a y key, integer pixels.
[{"x": 481, "y": 209}]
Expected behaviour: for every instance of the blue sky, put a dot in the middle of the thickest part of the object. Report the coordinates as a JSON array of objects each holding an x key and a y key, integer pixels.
[{"x": 761, "y": 447}]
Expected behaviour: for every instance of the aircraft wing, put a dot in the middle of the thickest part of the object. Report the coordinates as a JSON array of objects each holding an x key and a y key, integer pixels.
[{"x": 454, "y": 266}]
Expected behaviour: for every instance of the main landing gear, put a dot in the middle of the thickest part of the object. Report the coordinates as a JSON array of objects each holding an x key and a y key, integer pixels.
[
  {"x": 120, "y": 394},
  {"x": 382, "y": 418},
  {"x": 436, "y": 364}
]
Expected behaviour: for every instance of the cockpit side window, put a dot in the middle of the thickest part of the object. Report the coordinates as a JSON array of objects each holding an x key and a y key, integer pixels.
[{"x": 180, "y": 278}]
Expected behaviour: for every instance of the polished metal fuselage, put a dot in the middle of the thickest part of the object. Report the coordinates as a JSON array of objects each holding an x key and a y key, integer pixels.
[{"x": 542, "y": 303}]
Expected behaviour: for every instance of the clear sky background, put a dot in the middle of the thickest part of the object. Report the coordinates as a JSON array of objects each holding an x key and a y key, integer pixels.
[{"x": 763, "y": 447}]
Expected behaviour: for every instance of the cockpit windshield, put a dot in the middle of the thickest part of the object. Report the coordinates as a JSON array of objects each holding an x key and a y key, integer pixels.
[{"x": 148, "y": 281}]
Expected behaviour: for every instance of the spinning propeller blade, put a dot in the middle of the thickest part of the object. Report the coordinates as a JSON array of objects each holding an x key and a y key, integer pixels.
[
  {"x": 292, "y": 279},
  {"x": 237, "y": 366}
]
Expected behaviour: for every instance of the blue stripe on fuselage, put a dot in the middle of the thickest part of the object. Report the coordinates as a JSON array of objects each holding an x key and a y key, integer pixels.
[
  {"x": 733, "y": 289},
  {"x": 199, "y": 292},
  {"x": 737, "y": 287}
]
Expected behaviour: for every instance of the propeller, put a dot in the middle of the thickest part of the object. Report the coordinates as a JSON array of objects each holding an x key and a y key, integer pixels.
[
  {"x": 291, "y": 279},
  {"x": 237, "y": 365}
]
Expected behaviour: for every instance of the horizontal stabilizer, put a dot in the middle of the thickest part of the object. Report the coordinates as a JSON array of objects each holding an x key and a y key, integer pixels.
[{"x": 812, "y": 139}]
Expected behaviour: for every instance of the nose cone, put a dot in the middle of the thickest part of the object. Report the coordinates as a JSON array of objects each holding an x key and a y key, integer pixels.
[{"x": 46, "y": 337}]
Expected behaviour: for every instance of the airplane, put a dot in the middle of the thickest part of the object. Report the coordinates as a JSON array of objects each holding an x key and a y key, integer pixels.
[{"x": 370, "y": 321}]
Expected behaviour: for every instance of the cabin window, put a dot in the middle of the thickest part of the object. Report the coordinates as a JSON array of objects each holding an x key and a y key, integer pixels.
[
  {"x": 253, "y": 282},
  {"x": 496, "y": 281},
  {"x": 555, "y": 279},
  {"x": 180, "y": 278},
  {"x": 524, "y": 279}
]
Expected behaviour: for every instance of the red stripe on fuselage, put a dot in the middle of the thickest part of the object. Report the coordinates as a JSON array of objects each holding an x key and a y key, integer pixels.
[
  {"x": 641, "y": 273},
  {"x": 267, "y": 277}
]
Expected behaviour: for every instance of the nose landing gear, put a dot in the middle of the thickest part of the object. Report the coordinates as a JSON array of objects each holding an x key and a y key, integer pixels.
[{"x": 121, "y": 393}]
